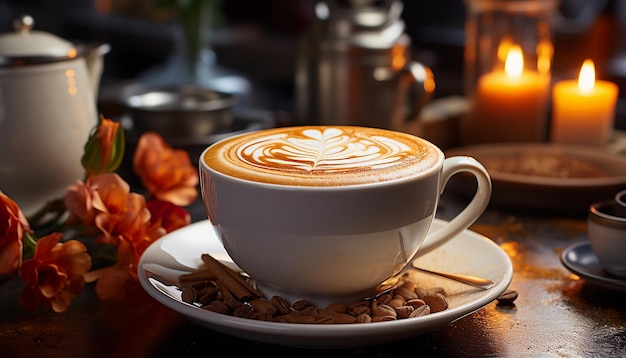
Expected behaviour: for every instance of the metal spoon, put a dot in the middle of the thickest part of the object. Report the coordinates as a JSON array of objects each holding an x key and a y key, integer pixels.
[
  {"x": 479, "y": 282},
  {"x": 392, "y": 283}
]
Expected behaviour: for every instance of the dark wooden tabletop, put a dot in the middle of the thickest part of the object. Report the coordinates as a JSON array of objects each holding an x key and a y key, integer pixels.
[{"x": 557, "y": 314}]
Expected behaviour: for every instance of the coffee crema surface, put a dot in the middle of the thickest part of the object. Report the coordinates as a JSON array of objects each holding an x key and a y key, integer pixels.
[{"x": 322, "y": 155}]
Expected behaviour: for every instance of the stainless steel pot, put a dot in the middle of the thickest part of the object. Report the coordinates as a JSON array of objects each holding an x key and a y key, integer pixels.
[
  {"x": 179, "y": 112},
  {"x": 355, "y": 67}
]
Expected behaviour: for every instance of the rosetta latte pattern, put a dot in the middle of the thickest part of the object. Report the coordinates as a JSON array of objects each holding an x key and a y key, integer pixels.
[
  {"x": 327, "y": 150},
  {"x": 318, "y": 156}
]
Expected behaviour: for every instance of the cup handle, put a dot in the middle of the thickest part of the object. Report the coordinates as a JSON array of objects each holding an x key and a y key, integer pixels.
[{"x": 472, "y": 211}]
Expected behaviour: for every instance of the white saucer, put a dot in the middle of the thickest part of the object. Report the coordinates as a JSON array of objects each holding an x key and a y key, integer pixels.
[
  {"x": 580, "y": 259},
  {"x": 469, "y": 253}
]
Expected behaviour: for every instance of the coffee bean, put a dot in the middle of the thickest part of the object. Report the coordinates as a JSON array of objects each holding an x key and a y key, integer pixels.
[
  {"x": 281, "y": 304},
  {"x": 301, "y": 304},
  {"x": 398, "y": 303},
  {"x": 507, "y": 298},
  {"x": 404, "y": 311},
  {"x": 420, "y": 311},
  {"x": 436, "y": 301}
]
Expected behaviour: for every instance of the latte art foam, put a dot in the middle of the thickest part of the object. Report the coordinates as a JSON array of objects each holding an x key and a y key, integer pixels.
[{"x": 321, "y": 155}]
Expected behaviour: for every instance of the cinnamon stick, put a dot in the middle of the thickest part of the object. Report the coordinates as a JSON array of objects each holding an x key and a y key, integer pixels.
[
  {"x": 201, "y": 275},
  {"x": 242, "y": 281},
  {"x": 226, "y": 293},
  {"x": 229, "y": 278}
]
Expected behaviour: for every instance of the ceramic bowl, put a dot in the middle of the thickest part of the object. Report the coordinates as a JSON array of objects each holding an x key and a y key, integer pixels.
[{"x": 540, "y": 193}]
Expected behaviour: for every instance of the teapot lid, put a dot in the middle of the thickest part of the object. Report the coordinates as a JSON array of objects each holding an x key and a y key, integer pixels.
[{"x": 25, "y": 46}]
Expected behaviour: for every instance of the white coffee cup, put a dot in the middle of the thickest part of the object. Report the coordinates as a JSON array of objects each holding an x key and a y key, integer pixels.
[
  {"x": 606, "y": 231},
  {"x": 327, "y": 213}
]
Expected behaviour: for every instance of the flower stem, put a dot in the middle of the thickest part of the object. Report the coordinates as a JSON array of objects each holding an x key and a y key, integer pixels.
[
  {"x": 48, "y": 218},
  {"x": 29, "y": 241}
]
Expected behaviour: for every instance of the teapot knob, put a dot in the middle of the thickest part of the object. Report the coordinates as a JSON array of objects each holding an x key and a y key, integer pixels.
[{"x": 23, "y": 24}]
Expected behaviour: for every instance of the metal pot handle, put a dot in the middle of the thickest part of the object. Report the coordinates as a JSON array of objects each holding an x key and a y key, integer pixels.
[{"x": 416, "y": 87}]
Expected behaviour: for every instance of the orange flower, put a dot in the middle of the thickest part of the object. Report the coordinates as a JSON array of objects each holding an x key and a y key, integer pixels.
[
  {"x": 81, "y": 200},
  {"x": 125, "y": 221},
  {"x": 124, "y": 213},
  {"x": 166, "y": 173},
  {"x": 168, "y": 215},
  {"x": 106, "y": 136},
  {"x": 113, "y": 281},
  {"x": 106, "y": 201},
  {"x": 54, "y": 275},
  {"x": 104, "y": 150},
  {"x": 13, "y": 226}
]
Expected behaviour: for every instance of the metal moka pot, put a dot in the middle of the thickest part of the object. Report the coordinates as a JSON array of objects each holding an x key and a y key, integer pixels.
[
  {"x": 354, "y": 67},
  {"x": 48, "y": 90}
]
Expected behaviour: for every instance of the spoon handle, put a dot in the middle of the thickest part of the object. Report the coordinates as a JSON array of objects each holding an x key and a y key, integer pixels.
[{"x": 468, "y": 280}]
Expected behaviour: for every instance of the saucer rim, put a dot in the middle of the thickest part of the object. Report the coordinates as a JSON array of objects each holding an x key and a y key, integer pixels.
[
  {"x": 327, "y": 336},
  {"x": 599, "y": 277}
]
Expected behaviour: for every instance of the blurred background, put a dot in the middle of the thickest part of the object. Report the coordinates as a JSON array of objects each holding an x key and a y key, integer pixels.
[{"x": 258, "y": 39}]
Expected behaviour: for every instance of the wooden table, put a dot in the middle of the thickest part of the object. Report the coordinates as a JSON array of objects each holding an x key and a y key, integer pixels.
[{"x": 556, "y": 314}]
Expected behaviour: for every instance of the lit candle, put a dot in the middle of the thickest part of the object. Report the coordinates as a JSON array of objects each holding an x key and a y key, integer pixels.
[
  {"x": 583, "y": 111},
  {"x": 510, "y": 105}
]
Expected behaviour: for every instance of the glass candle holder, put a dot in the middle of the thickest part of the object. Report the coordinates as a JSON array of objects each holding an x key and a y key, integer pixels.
[{"x": 508, "y": 58}]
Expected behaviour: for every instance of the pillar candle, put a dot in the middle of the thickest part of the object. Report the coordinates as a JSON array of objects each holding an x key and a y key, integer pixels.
[
  {"x": 510, "y": 105},
  {"x": 584, "y": 110}
]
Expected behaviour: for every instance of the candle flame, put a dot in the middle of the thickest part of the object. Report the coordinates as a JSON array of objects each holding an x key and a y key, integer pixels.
[
  {"x": 514, "y": 64},
  {"x": 587, "y": 77}
]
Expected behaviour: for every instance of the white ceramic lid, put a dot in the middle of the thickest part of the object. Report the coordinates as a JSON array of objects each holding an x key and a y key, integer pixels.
[{"x": 26, "y": 43}]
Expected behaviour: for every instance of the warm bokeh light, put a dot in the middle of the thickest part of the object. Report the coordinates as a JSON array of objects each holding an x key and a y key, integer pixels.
[
  {"x": 72, "y": 53},
  {"x": 430, "y": 85},
  {"x": 71, "y": 82},
  {"x": 103, "y": 6},
  {"x": 398, "y": 57},
  {"x": 511, "y": 248},
  {"x": 503, "y": 48},
  {"x": 514, "y": 64},
  {"x": 587, "y": 77},
  {"x": 544, "y": 56}
]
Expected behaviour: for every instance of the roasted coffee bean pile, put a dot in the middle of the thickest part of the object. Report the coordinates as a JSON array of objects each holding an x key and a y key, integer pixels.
[{"x": 405, "y": 300}]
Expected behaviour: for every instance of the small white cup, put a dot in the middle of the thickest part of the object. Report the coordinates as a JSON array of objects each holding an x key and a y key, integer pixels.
[
  {"x": 606, "y": 231},
  {"x": 334, "y": 242},
  {"x": 620, "y": 200}
]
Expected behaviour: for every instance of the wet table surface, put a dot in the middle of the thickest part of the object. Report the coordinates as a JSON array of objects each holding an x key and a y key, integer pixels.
[{"x": 556, "y": 314}]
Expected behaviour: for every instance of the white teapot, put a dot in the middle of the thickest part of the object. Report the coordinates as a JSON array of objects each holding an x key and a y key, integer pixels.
[{"x": 48, "y": 91}]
